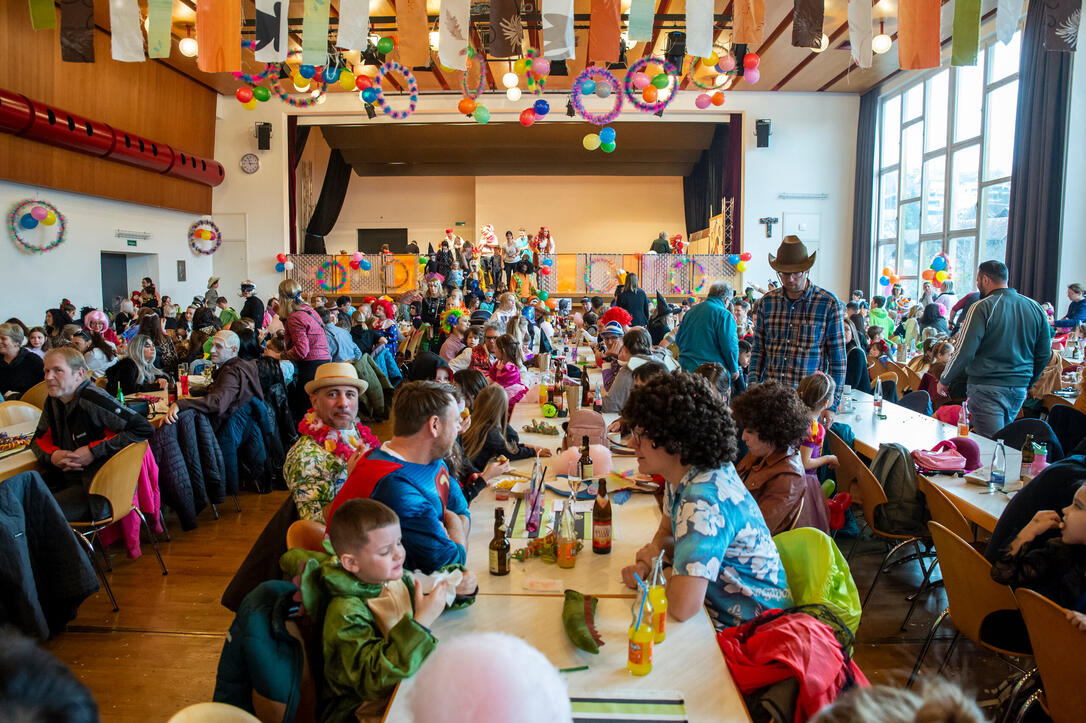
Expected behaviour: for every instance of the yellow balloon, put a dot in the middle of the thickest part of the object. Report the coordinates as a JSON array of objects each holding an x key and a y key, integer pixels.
[
  {"x": 251, "y": 105},
  {"x": 713, "y": 59},
  {"x": 741, "y": 266},
  {"x": 346, "y": 80},
  {"x": 652, "y": 70},
  {"x": 520, "y": 66},
  {"x": 49, "y": 219},
  {"x": 940, "y": 276},
  {"x": 591, "y": 142}
]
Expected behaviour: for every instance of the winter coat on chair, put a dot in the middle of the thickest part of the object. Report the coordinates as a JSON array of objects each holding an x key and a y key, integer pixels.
[
  {"x": 250, "y": 443},
  {"x": 190, "y": 466},
  {"x": 276, "y": 398}
]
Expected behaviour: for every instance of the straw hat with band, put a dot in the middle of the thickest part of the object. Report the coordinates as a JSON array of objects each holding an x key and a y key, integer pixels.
[
  {"x": 336, "y": 374},
  {"x": 792, "y": 256},
  {"x": 212, "y": 281}
]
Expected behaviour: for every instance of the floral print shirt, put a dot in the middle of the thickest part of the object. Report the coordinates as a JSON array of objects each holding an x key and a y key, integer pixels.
[
  {"x": 720, "y": 535},
  {"x": 314, "y": 476}
]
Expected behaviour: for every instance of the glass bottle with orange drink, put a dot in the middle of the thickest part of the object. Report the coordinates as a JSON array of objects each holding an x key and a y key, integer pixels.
[{"x": 639, "y": 651}]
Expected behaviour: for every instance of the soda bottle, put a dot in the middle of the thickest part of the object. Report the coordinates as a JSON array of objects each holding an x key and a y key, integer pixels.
[
  {"x": 658, "y": 599},
  {"x": 567, "y": 537},
  {"x": 963, "y": 420},
  {"x": 597, "y": 402},
  {"x": 639, "y": 652}
]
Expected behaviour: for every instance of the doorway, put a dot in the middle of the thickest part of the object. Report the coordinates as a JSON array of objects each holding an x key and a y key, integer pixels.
[{"x": 114, "y": 280}]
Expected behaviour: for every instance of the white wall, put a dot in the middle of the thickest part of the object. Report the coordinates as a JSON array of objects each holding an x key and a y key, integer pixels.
[
  {"x": 34, "y": 282},
  {"x": 1073, "y": 243}
]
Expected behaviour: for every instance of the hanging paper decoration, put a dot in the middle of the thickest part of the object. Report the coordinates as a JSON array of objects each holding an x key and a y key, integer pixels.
[
  {"x": 1007, "y": 12},
  {"x": 77, "y": 31},
  {"x": 413, "y": 32},
  {"x": 604, "y": 28},
  {"x": 452, "y": 45},
  {"x": 860, "y": 32},
  {"x": 699, "y": 28},
  {"x": 126, "y": 38},
  {"x": 642, "y": 13},
  {"x": 201, "y": 230},
  {"x": 43, "y": 14},
  {"x": 272, "y": 31},
  {"x": 748, "y": 21},
  {"x": 506, "y": 28},
  {"x": 315, "y": 32},
  {"x": 807, "y": 19},
  {"x": 918, "y": 34},
  {"x": 558, "y": 40},
  {"x": 354, "y": 24},
  {"x": 36, "y": 226},
  {"x": 159, "y": 20},
  {"x": 966, "y": 38},
  {"x": 1061, "y": 25},
  {"x": 218, "y": 31}
]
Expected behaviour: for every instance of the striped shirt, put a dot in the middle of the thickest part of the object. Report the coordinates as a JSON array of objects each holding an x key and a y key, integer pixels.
[{"x": 793, "y": 339}]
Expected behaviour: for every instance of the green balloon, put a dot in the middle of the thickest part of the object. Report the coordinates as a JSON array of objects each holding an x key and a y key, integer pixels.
[
  {"x": 482, "y": 114},
  {"x": 607, "y": 147},
  {"x": 543, "y": 295},
  {"x": 261, "y": 93},
  {"x": 385, "y": 45},
  {"x": 661, "y": 80}
]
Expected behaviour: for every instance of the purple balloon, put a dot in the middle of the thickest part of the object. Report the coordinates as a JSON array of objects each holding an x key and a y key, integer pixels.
[{"x": 39, "y": 213}]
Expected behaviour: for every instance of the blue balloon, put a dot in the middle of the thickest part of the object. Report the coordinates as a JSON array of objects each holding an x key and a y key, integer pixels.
[
  {"x": 369, "y": 95},
  {"x": 733, "y": 259},
  {"x": 938, "y": 263},
  {"x": 541, "y": 107},
  {"x": 306, "y": 71},
  {"x": 884, "y": 281},
  {"x": 607, "y": 135},
  {"x": 365, "y": 265},
  {"x": 331, "y": 75},
  {"x": 588, "y": 87},
  {"x": 28, "y": 222},
  {"x": 280, "y": 267},
  {"x": 548, "y": 262}
]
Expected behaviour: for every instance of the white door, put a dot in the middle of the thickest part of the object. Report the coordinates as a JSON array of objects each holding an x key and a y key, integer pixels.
[{"x": 230, "y": 263}]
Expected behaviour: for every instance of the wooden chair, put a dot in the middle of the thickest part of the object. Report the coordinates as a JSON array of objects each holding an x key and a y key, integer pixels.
[
  {"x": 904, "y": 381},
  {"x": 36, "y": 395},
  {"x": 875, "y": 368},
  {"x": 16, "y": 412},
  {"x": 972, "y": 595},
  {"x": 1057, "y": 649},
  {"x": 213, "y": 713},
  {"x": 1054, "y": 400},
  {"x": 116, "y": 481},
  {"x": 305, "y": 534}
]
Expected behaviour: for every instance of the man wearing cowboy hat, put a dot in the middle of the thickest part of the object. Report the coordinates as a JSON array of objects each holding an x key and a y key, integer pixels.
[
  {"x": 212, "y": 293},
  {"x": 798, "y": 329},
  {"x": 253, "y": 308},
  {"x": 332, "y": 440},
  {"x": 235, "y": 382}
]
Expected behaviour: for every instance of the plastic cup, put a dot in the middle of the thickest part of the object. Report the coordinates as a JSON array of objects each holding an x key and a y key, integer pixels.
[{"x": 183, "y": 384}]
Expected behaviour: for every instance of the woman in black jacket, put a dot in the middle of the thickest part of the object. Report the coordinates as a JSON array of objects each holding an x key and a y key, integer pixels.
[
  {"x": 632, "y": 298},
  {"x": 856, "y": 374},
  {"x": 20, "y": 368},
  {"x": 137, "y": 372},
  {"x": 933, "y": 317}
]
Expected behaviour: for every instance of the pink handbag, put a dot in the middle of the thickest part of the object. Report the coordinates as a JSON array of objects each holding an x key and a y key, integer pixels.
[{"x": 944, "y": 457}]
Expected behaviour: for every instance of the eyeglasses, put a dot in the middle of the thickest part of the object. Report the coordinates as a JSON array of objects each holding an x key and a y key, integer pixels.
[{"x": 491, "y": 338}]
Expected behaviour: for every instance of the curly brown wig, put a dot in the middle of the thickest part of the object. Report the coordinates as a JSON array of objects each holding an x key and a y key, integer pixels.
[
  {"x": 682, "y": 413},
  {"x": 774, "y": 412}
]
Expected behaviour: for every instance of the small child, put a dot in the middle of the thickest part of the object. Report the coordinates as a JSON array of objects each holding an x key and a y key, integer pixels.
[
  {"x": 456, "y": 277},
  {"x": 739, "y": 384},
  {"x": 876, "y": 347},
  {"x": 506, "y": 370},
  {"x": 941, "y": 353},
  {"x": 35, "y": 340},
  {"x": 817, "y": 392}
]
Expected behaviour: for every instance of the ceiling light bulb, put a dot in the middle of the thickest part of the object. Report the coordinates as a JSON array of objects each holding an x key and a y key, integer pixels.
[
  {"x": 188, "y": 47},
  {"x": 822, "y": 45},
  {"x": 881, "y": 43},
  {"x": 513, "y": 93},
  {"x": 434, "y": 37},
  {"x": 510, "y": 80}
]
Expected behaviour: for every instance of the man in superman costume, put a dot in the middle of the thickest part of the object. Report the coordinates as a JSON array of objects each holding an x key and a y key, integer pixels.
[{"x": 408, "y": 474}]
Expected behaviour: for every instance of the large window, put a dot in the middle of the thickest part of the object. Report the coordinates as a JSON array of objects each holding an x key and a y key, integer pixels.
[{"x": 943, "y": 168}]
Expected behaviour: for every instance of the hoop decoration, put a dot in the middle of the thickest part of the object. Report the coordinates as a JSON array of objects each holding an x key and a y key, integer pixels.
[
  {"x": 331, "y": 276},
  {"x": 676, "y": 287},
  {"x": 598, "y": 75},
  {"x": 592, "y": 261},
  {"x": 204, "y": 230},
  {"x": 709, "y": 86},
  {"x": 412, "y": 86},
  {"x": 396, "y": 265},
  {"x": 631, "y": 92},
  {"x": 306, "y": 100},
  {"x": 31, "y": 214},
  {"x": 255, "y": 80},
  {"x": 464, "y": 77}
]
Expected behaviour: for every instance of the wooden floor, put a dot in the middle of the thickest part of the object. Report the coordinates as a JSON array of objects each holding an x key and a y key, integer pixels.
[{"x": 160, "y": 652}]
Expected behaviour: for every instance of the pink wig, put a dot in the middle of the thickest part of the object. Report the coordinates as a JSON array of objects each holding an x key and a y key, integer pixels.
[{"x": 95, "y": 315}]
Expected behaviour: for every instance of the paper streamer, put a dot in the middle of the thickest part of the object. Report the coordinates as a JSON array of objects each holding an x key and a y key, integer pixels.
[
  {"x": 748, "y": 21},
  {"x": 807, "y": 19},
  {"x": 77, "y": 31},
  {"x": 413, "y": 32},
  {"x": 43, "y": 14},
  {"x": 1007, "y": 14},
  {"x": 558, "y": 40},
  {"x": 354, "y": 24},
  {"x": 218, "y": 31},
  {"x": 642, "y": 13},
  {"x": 159, "y": 26},
  {"x": 1061, "y": 25},
  {"x": 860, "y": 31},
  {"x": 272, "y": 31},
  {"x": 315, "y": 32},
  {"x": 506, "y": 28},
  {"x": 918, "y": 34},
  {"x": 966, "y": 37},
  {"x": 604, "y": 29},
  {"x": 699, "y": 28},
  {"x": 126, "y": 37},
  {"x": 452, "y": 44}
]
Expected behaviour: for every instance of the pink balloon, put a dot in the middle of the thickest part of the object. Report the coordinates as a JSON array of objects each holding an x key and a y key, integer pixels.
[
  {"x": 703, "y": 101},
  {"x": 726, "y": 63},
  {"x": 641, "y": 81},
  {"x": 356, "y": 256},
  {"x": 541, "y": 66},
  {"x": 39, "y": 213},
  {"x": 751, "y": 75}
]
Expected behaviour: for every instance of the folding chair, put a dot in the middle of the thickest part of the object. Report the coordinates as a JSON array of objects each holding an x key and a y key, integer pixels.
[
  {"x": 1057, "y": 649},
  {"x": 36, "y": 395}
]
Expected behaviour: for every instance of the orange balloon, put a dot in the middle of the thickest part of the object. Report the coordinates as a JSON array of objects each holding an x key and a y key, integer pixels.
[
  {"x": 928, "y": 275},
  {"x": 652, "y": 70},
  {"x": 895, "y": 279},
  {"x": 718, "y": 98},
  {"x": 466, "y": 106},
  {"x": 551, "y": 303},
  {"x": 649, "y": 93}
]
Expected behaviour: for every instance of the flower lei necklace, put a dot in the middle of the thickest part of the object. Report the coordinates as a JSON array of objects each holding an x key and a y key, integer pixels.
[{"x": 341, "y": 442}]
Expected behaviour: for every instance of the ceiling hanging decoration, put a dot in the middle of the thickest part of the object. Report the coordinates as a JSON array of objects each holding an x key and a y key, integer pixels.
[
  {"x": 604, "y": 31},
  {"x": 159, "y": 28},
  {"x": 506, "y": 29},
  {"x": 352, "y": 33},
  {"x": 218, "y": 27},
  {"x": 452, "y": 44},
  {"x": 861, "y": 33},
  {"x": 918, "y": 34},
  {"x": 412, "y": 87},
  {"x": 36, "y": 226},
  {"x": 559, "y": 42},
  {"x": 645, "y": 96},
  {"x": 272, "y": 30},
  {"x": 314, "y": 31},
  {"x": 126, "y": 37},
  {"x": 586, "y": 82}
]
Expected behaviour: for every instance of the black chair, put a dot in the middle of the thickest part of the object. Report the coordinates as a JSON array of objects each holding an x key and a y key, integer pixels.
[
  {"x": 1014, "y": 435},
  {"x": 917, "y": 401},
  {"x": 1068, "y": 424}
]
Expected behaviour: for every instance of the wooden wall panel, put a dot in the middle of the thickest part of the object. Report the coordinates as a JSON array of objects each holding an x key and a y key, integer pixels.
[{"x": 149, "y": 99}]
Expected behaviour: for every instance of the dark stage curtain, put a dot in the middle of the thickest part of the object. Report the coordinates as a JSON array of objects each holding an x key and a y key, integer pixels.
[
  {"x": 863, "y": 194},
  {"x": 330, "y": 203},
  {"x": 703, "y": 188},
  {"x": 1035, "y": 218}
]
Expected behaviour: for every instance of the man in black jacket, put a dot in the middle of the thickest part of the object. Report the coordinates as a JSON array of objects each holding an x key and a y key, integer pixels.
[
  {"x": 80, "y": 428},
  {"x": 253, "y": 307}
]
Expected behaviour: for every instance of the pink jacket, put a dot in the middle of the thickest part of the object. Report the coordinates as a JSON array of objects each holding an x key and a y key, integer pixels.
[
  {"x": 305, "y": 336},
  {"x": 149, "y": 503},
  {"x": 508, "y": 376}
]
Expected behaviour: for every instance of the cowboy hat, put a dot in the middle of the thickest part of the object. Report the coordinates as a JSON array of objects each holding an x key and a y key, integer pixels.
[
  {"x": 336, "y": 374},
  {"x": 212, "y": 281},
  {"x": 792, "y": 256}
]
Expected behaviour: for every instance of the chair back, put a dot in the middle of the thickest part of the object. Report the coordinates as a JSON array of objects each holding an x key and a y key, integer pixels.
[
  {"x": 305, "y": 534},
  {"x": 213, "y": 713},
  {"x": 14, "y": 411},
  {"x": 1014, "y": 436},
  {"x": 117, "y": 479},
  {"x": 876, "y": 368},
  {"x": 971, "y": 592},
  {"x": 854, "y": 477},
  {"x": 36, "y": 395},
  {"x": 917, "y": 401},
  {"x": 1053, "y": 400},
  {"x": 1057, "y": 650},
  {"x": 1069, "y": 426},
  {"x": 944, "y": 511}
]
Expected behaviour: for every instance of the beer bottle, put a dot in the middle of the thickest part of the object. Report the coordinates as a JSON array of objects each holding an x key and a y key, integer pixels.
[
  {"x": 586, "y": 393},
  {"x": 584, "y": 464},
  {"x": 1027, "y": 457},
  {"x": 499, "y": 546},
  {"x": 601, "y": 521}
]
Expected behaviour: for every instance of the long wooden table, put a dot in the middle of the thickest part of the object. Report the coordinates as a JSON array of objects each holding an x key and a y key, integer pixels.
[{"x": 23, "y": 460}]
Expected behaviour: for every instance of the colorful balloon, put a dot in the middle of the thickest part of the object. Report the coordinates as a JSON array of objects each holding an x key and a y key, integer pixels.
[
  {"x": 940, "y": 276},
  {"x": 262, "y": 94},
  {"x": 752, "y": 75},
  {"x": 307, "y": 71},
  {"x": 527, "y": 117},
  {"x": 591, "y": 142},
  {"x": 289, "y": 266},
  {"x": 362, "y": 82},
  {"x": 369, "y": 94},
  {"x": 733, "y": 259},
  {"x": 385, "y": 45},
  {"x": 751, "y": 60},
  {"x": 726, "y": 64},
  {"x": 588, "y": 87},
  {"x": 520, "y": 67},
  {"x": 365, "y": 264},
  {"x": 718, "y": 98},
  {"x": 331, "y": 74},
  {"x": 884, "y": 281},
  {"x": 703, "y": 101},
  {"x": 50, "y": 219},
  {"x": 353, "y": 264},
  {"x": 741, "y": 266},
  {"x": 641, "y": 80},
  {"x": 607, "y": 147},
  {"x": 607, "y": 135},
  {"x": 541, "y": 107},
  {"x": 39, "y": 212},
  {"x": 28, "y": 222},
  {"x": 649, "y": 94},
  {"x": 887, "y": 271},
  {"x": 928, "y": 275},
  {"x": 660, "y": 80},
  {"x": 603, "y": 90},
  {"x": 347, "y": 80},
  {"x": 251, "y": 105},
  {"x": 244, "y": 94},
  {"x": 938, "y": 263},
  {"x": 280, "y": 267},
  {"x": 482, "y": 114},
  {"x": 466, "y": 106},
  {"x": 541, "y": 66},
  {"x": 543, "y": 295},
  {"x": 545, "y": 270},
  {"x": 746, "y": 256},
  {"x": 280, "y": 257}
]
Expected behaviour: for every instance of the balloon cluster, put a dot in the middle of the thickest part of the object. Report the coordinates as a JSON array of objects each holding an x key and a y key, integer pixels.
[
  {"x": 545, "y": 270},
  {"x": 535, "y": 69},
  {"x": 704, "y": 100},
  {"x": 604, "y": 140},
  {"x": 359, "y": 262},
  {"x": 888, "y": 278},
  {"x": 650, "y": 82},
  {"x": 473, "y": 109},
  {"x": 938, "y": 271},
  {"x": 248, "y": 97},
  {"x": 37, "y": 214},
  {"x": 740, "y": 261},
  {"x": 540, "y": 108},
  {"x": 281, "y": 263}
]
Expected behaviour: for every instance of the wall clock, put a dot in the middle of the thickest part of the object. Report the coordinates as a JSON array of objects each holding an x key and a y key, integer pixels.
[{"x": 250, "y": 163}]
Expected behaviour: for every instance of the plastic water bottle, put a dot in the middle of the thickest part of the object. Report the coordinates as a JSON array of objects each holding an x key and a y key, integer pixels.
[
  {"x": 998, "y": 478},
  {"x": 877, "y": 394}
]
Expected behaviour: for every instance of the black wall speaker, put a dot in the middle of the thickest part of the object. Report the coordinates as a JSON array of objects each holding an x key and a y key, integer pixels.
[
  {"x": 263, "y": 136},
  {"x": 761, "y": 130}
]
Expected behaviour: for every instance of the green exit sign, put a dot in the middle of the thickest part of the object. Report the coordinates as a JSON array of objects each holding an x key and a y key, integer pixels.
[{"x": 131, "y": 242}]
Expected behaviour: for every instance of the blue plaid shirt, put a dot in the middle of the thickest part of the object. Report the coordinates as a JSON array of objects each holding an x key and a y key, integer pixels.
[{"x": 793, "y": 339}]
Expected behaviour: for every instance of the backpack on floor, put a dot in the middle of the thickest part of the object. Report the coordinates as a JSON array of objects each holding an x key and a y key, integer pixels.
[{"x": 905, "y": 511}]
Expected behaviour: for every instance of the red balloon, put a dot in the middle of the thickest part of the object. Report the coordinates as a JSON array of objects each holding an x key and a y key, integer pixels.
[
  {"x": 751, "y": 60},
  {"x": 527, "y": 117},
  {"x": 746, "y": 256},
  {"x": 545, "y": 270},
  {"x": 362, "y": 82},
  {"x": 353, "y": 264},
  {"x": 280, "y": 257},
  {"x": 244, "y": 94}
]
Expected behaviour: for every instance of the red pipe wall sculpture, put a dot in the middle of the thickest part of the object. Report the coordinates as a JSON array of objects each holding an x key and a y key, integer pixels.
[{"x": 36, "y": 121}]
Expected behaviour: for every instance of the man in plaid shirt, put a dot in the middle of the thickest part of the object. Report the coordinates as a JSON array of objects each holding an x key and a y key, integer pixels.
[{"x": 799, "y": 328}]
